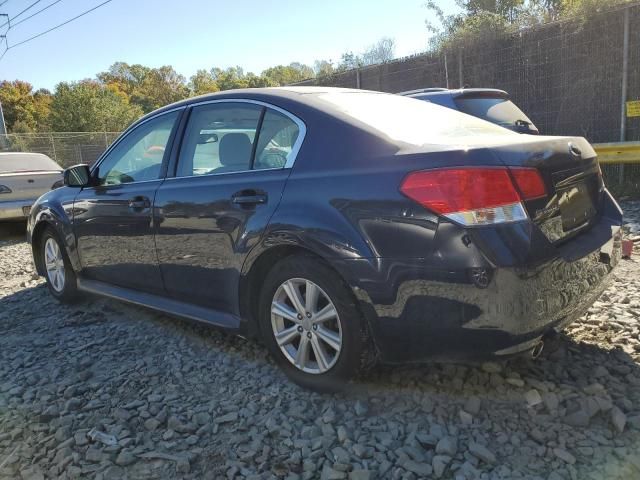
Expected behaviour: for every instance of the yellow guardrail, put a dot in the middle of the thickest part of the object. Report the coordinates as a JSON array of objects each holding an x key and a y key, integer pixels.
[{"x": 616, "y": 153}]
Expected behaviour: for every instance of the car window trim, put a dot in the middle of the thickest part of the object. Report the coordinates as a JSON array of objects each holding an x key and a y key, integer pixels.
[
  {"x": 134, "y": 126},
  {"x": 256, "y": 138},
  {"x": 295, "y": 149}
]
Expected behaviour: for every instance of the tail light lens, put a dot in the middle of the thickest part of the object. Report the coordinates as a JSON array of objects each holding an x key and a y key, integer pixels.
[
  {"x": 4, "y": 189},
  {"x": 475, "y": 196}
]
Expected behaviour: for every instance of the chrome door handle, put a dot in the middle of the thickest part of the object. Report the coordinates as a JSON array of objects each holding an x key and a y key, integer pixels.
[{"x": 249, "y": 198}]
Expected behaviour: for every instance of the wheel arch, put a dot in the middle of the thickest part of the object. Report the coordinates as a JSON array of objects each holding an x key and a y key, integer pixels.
[
  {"x": 257, "y": 270},
  {"x": 36, "y": 242},
  {"x": 61, "y": 225}
]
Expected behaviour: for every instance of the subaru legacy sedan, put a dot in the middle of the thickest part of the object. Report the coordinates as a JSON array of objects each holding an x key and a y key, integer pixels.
[{"x": 340, "y": 227}]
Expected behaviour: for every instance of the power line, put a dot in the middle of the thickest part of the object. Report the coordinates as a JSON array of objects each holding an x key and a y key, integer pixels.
[
  {"x": 33, "y": 14},
  {"x": 5, "y": 1},
  {"x": 57, "y": 26},
  {"x": 18, "y": 14}
]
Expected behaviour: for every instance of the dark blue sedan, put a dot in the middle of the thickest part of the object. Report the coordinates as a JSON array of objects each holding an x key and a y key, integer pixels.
[{"x": 340, "y": 227}]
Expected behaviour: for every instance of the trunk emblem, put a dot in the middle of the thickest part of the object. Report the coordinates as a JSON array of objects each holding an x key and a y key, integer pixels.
[{"x": 573, "y": 150}]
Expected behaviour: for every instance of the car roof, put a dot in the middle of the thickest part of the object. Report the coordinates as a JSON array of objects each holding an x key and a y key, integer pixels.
[
  {"x": 26, "y": 154},
  {"x": 291, "y": 98}
]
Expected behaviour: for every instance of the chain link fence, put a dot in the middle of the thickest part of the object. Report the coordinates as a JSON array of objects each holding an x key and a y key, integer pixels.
[
  {"x": 66, "y": 148},
  {"x": 567, "y": 76},
  {"x": 623, "y": 180}
]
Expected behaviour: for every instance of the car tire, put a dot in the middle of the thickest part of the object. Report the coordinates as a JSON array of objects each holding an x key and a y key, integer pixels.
[
  {"x": 58, "y": 272},
  {"x": 317, "y": 351}
]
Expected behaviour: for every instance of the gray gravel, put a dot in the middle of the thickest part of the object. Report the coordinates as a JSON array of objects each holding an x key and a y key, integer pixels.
[{"x": 105, "y": 390}]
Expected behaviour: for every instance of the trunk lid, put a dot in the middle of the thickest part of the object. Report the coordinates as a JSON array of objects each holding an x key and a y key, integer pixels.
[{"x": 569, "y": 168}]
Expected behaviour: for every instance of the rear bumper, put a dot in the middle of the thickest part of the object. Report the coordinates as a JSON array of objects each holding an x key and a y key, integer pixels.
[
  {"x": 14, "y": 210},
  {"x": 419, "y": 310}
]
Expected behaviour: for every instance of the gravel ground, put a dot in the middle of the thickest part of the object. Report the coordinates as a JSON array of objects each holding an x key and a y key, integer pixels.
[{"x": 105, "y": 390}]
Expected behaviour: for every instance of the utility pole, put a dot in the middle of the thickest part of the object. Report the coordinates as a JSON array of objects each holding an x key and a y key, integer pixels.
[
  {"x": 3, "y": 126},
  {"x": 623, "y": 95}
]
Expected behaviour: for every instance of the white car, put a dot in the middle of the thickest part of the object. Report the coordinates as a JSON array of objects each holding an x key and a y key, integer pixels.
[{"x": 23, "y": 178}]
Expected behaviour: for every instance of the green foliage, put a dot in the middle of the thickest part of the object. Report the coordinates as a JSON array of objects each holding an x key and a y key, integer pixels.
[
  {"x": 90, "y": 106},
  {"x": 202, "y": 82},
  {"x": 380, "y": 52},
  {"x": 287, "y": 74},
  {"x": 481, "y": 20},
  {"x": 125, "y": 91},
  {"x": 148, "y": 88},
  {"x": 23, "y": 108},
  {"x": 585, "y": 8},
  {"x": 323, "y": 68}
]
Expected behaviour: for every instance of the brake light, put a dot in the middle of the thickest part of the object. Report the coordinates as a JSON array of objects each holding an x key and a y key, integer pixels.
[
  {"x": 475, "y": 196},
  {"x": 529, "y": 182}
]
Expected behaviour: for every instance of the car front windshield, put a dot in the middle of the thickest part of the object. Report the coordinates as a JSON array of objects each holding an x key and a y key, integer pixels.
[{"x": 413, "y": 121}]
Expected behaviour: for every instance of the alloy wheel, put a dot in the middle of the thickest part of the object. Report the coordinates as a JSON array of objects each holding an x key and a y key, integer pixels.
[
  {"x": 306, "y": 325},
  {"x": 54, "y": 264}
]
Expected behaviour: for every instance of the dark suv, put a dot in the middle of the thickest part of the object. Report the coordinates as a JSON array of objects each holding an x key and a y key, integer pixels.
[{"x": 486, "y": 103}]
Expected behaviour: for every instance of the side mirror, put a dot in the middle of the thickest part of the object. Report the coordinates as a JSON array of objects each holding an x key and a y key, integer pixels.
[{"x": 77, "y": 176}]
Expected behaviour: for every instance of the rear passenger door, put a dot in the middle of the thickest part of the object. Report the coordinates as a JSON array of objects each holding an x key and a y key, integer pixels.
[{"x": 232, "y": 166}]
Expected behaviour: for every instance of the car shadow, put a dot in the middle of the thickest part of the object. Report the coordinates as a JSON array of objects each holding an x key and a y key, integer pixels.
[
  {"x": 563, "y": 360},
  {"x": 130, "y": 352},
  {"x": 13, "y": 231}
]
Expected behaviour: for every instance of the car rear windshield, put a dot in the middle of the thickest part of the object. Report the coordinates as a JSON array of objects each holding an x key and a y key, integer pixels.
[
  {"x": 24, "y": 162},
  {"x": 413, "y": 121},
  {"x": 497, "y": 110}
]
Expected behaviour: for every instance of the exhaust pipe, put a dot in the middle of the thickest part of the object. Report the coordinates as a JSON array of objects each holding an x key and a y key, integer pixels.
[{"x": 537, "y": 350}]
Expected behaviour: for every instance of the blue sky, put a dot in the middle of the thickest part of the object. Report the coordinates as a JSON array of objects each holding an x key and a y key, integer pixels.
[{"x": 193, "y": 34}]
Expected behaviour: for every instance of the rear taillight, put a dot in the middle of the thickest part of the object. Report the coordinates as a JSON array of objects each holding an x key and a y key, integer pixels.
[
  {"x": 475, "y": 196},
  {"x": 529, "y": 183},
  {"x": 4, "y": 189}
]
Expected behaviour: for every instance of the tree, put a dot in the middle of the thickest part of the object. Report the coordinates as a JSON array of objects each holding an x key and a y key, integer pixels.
[
  {"x": 234, "y": 77},
  {"x": 230, "y": 78},
  {"x": 24, "y": 109},
  {"x": 380, "y": 52},
  {"x": 202, "y": 82},
  {"x": 149, "y": 88},
  {"x": 124, "y": 77},
  {"x": 90, "y": 106},
  {"x": 323, "y": 68},
  {"x": 483, "y": 19},
  {"x": 288, "y": 74},
  {"x": 349, "y": 61},
  {"x": 160, "y": 87}
]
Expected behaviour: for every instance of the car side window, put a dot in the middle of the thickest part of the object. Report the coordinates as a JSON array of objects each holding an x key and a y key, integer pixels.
[
  {"x": 276, "y": 140},
  {"x": 138, "y": 156},
  {"x": 219, "y": 138}
]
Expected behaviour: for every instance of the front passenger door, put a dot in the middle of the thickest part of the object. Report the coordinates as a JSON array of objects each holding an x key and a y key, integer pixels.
[{"x": 113, "y": 220}]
